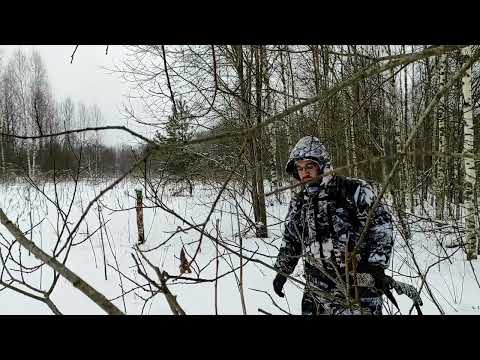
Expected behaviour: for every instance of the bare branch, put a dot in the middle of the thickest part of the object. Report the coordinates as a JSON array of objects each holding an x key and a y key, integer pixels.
[
  {"x": 74, "y": 279},
  {"x": 73, "y": 54}
]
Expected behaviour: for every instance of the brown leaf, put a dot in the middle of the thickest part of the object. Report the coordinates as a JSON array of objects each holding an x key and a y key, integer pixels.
[{"x": 184, "y": 266}]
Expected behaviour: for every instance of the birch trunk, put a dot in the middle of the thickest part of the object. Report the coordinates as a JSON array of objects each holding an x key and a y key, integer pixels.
[
  {"x": 355, "y": 117},
  {"x": 383, "y": 135},
  {"x": 286, "y": 102},
  {"x": 347, "y": 148},
  {"x": 271, "y": 129},
  {"x": 356, "y": 96},
  {"x": 396, "y": 115},
  {"x": 440, "y": 173},
  {"x": 410, "y": 165},
  {"x": 469, "y": 180},
  {"x": 328, "y": 118}
]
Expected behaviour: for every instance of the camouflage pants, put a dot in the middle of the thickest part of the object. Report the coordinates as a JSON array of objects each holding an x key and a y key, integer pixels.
[{"x": 314, "y": 305}]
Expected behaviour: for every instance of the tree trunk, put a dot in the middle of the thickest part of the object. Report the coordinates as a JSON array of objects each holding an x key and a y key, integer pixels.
[
  {"x": 469, "y": 181},
  {"x": 354, "y": 115},
  {"x": 286, "y": 101},
  {"x": 427, "y": 146},
  {"x": 271, "y": 129},
  {"x": 2, "y": 154},
  {"x": 347, "y": 147},
  {"x": 254, "y": 142},
  {"x": 440, "y": 173},
  {"x": 396, "y": 115},
  {"x": 261, "y": 229},
  {"x": 328, "y": 105}
]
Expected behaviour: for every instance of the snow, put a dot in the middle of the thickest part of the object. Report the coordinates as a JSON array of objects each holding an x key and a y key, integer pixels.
[{"x": 453, "y": 284}]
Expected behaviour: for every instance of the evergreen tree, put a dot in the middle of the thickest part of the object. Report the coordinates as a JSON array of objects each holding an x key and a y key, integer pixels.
[{"x": 180, "y": 160}]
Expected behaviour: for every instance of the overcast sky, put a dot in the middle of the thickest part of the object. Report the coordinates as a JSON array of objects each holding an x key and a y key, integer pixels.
[{"x": 84, "y": 80}]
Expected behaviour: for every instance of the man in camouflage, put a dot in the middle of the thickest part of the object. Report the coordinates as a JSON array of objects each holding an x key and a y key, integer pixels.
[{"x": 323, "y": 227}]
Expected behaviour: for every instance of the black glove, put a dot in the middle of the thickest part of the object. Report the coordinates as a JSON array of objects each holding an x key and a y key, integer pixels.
[
  {"x": 278, "y": 283},
  {"x": 378, "y": 274}
]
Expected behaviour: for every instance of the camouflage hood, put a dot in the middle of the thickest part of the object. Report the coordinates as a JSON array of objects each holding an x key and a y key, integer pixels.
[{"x": 309, "y": 147}]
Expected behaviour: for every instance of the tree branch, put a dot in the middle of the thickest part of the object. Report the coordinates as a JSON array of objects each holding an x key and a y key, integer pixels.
[
  {"x": 61, "y": 269},
  {"x": 73, "y": 54}
]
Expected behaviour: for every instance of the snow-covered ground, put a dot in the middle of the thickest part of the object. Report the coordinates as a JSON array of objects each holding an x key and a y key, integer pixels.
[{"x": 451, "y": 281}]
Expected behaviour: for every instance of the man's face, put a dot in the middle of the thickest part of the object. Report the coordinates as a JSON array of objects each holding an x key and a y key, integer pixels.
[{"x": 307, "y": 169}]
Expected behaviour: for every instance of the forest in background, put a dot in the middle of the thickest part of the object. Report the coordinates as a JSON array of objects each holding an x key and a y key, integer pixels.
[
  {"x": 28, "y": 107},
  {"x": 418, "y": 111},
  {"x": 402, "y": 117},
  {"x": 192, "y": 92}
]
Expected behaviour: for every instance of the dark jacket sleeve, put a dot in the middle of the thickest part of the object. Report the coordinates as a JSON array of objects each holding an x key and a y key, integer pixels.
[
  {"x": 291, "y": 248},
  {"x": 378, "y": 245}
]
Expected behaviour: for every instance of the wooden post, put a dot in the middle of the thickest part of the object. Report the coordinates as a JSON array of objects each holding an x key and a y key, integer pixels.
[{"x": 141, "y": 234}]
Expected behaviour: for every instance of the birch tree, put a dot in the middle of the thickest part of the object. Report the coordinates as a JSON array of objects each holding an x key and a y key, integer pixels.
[
  {"x": 440, "y": 168},
  {"x": 469, "y": 163}
]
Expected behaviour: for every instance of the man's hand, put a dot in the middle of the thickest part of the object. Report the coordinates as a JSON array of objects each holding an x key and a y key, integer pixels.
[{"x": 278, "y": 283}]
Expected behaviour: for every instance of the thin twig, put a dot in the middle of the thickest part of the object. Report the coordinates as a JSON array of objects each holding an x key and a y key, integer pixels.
[
  {"x": 73, "y": 54},
  {"x": 264, "y": 312},
  {"x": 273, "y": 301}
]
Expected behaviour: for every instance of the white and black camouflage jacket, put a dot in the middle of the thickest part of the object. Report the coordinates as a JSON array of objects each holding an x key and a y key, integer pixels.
[{"x": 326, "y": 218}]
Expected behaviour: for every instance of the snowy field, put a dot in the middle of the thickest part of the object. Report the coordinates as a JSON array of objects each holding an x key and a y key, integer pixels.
[{"x": 107, "y": 252}]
